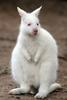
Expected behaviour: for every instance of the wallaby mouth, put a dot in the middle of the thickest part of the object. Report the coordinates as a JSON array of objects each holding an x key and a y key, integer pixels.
[{"x": 33, "y": 34}]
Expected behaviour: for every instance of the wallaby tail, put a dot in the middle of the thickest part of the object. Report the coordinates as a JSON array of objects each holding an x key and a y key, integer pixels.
[{"x": 54, "y": 86}]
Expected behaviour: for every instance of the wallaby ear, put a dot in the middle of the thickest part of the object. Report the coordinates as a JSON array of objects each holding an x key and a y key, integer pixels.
[
  {"x": 37, "y": 11},
  {"x": 21, "y": 12}
]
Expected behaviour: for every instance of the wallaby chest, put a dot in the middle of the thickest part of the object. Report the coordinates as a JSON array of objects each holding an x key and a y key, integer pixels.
[{"x": 32, "y": 46}]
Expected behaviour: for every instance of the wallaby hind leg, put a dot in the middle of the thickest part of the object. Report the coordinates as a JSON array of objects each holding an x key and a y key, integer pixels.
[
  {"x": 23, "y": 89},
  {"x": 54, "y": 86}
]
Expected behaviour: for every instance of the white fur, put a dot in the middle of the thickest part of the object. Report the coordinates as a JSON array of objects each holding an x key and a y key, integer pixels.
[{"x": 34, "y": 59}]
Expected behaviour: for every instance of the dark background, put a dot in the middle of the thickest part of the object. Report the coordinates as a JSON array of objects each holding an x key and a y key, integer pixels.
[{"x": 53, "y": 17}]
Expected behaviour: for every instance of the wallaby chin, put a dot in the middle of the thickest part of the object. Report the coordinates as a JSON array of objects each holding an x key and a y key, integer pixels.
[
  {"x": 33, "y": 35},
  {"x": 34, "y": 63}
]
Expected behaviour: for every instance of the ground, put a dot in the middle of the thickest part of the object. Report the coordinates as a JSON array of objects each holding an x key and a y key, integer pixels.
[{"x": 56, "y": 23}]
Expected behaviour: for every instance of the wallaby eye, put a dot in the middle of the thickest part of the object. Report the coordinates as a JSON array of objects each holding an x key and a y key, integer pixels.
[
  {"x": 29, "y": 24},
  {"x": 37, "y": 24}
]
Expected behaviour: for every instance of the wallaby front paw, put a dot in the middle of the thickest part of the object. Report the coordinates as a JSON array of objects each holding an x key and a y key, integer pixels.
[
  {"x": 35, "y": 60},
  {"x": 29, "y": 58}
]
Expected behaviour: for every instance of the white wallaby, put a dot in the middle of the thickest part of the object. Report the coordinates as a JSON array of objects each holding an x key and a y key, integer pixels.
[{"x": 34, "y": 60}]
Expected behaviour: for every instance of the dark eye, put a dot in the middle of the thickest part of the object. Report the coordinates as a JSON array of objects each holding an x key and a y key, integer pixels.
[
  {"x": 37, "y": 24},
  {"x": 29, "y": 24}
]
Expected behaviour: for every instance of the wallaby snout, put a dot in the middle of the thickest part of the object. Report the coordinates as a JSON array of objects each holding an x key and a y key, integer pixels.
[{"x": 35, "y": 31}]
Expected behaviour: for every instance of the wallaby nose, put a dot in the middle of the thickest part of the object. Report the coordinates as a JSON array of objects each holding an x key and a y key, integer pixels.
[{"x": 35, "y": 31}]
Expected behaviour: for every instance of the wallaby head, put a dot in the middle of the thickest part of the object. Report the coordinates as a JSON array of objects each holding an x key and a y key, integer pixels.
[{"x": 29, "y": 22}]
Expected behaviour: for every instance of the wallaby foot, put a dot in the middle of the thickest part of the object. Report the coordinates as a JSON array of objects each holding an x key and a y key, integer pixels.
[
  {"x": 44, "y": 92},
  {"x": 23, "y": 89}
]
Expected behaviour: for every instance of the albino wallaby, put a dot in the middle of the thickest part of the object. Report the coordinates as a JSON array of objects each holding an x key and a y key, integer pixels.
[{"x": 34, "y": 60}]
